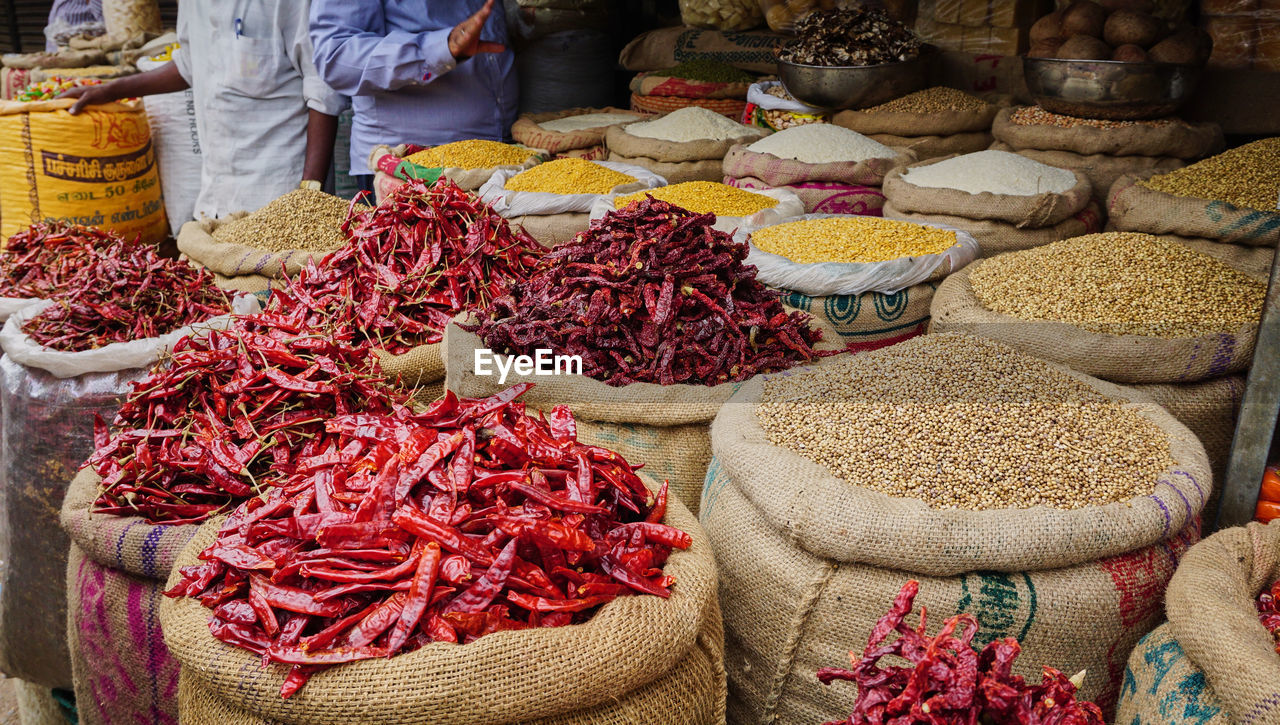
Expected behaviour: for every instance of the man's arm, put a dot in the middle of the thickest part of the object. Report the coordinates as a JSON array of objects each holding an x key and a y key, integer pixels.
[
  {"x": 322, "y": 129},
  {"x": 165, "y": 79}
]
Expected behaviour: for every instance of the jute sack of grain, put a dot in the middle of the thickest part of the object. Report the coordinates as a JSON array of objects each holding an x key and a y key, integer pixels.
[
  {"x": 1032, "y": 211},
  {"x": 639, "y": 659},
  {"x": 939, "y": 123},
  {"x": 1100, "y": 169},
  {"x": 392, "y": 168},
  {"x": 997, "y": 237},
  {"x": 740, "y": 161},
  {"x": 823, "y": 197},
  {"x": 675, "y": 161},
  {"x": 1213, "y": 662},
  {"x": 528, "y": 130},
  {"x": 932, "y": 147},
  {"x": 1119, "y": 358},
  {"x": 1172, "y": 138},
  {"x": 1134, "y": 208},
  {"x": 229, "y": 259},
  {"x": 869, "y": 320},
  {"x": 1253, "y": 261},
  {"x": 809, "y": 562},
  {"x": 115, "y": 575},
  {"x": 663, "y": 48}
]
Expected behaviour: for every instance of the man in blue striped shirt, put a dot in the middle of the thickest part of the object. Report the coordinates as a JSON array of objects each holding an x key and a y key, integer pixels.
[{"x": 418, "y": 71}]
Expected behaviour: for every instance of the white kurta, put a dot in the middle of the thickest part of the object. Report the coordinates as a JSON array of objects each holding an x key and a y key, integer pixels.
[{"x": 253, "y": 78}]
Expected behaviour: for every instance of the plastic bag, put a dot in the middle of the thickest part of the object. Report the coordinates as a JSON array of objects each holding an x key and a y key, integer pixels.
[
  {"x": 789, "y": 207},
  {"x": 721, "y": 14},
  {"x": 109, "y": 358},
  {"x": 824, "y": 279},
  {"x": 521, "y": 203}
]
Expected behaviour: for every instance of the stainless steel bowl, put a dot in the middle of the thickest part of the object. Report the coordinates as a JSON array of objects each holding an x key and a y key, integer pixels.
[
  {"x": 1109, "y": 89},
  {"x": 853, "y": 86}
]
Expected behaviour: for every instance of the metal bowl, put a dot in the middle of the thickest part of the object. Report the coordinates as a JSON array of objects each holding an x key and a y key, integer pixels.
[
  {"x": 853, "y": 86},
  {"x": 1109, "y": 89}
]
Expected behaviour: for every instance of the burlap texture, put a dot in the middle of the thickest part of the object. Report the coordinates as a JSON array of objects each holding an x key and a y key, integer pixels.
[
  {"x": 131, "y": 17},
  {"x": 116, "y": 570},
  {"x": 246, "y": 283},
  {"x": 1178, "y": 139},
  {"x": 36, "y": 705},
  {"x": 824, "y": 197},
  {"x": 867, "y": 318},
  {"x": 417, "y": 367},
  {"x": 662, "y": 48},
  {"x": 809, "y": 562},
  {"x": 654, "y": 83},
  {"x": 940, "y": 123},
  {"x": 619, "y": 142},
  {"x": 1033, "y": 211},
  {"x": 730, "y": 107},
  {"x": 196, "y": 240},
  {"x": 1120, "y": 358},
  {"x": 1162, "y": 686},
  {"x": 528, "y": 131},
  {"x": 1212, "y": 619},
  {"x": 590, "y": 153},
  {"x": 1135, "y": 208},
  {"x": 996, "y": 237},
  {"x": 932, "y": 147},
  {"x": 1101, "y": 170},
  {"x": 551, "y": 229},
  {"x": 638, "y": 659},
  {"x": 741, "y": 162},
  {"x": 675, "y": 172}
]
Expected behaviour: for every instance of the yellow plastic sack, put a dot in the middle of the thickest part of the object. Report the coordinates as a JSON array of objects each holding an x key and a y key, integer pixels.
[{"x": 96, "y": 169}]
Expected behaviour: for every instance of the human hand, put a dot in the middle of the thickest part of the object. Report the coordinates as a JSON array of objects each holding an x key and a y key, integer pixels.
[
  {"x": 87, "y": 96},
  {"x": 464, "y": 39}
]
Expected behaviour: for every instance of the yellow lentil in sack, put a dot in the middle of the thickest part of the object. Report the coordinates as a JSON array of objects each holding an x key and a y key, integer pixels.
[
  {"x": 471, "y": 154},
  {"x": 569, "y": 176},
  {"x": 705, "y": 197}
]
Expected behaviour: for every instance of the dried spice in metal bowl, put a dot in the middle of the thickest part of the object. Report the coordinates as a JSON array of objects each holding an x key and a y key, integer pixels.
[{"x": 858, "y": 36}]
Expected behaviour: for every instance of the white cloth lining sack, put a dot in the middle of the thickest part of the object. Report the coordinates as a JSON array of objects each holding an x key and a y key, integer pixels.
[{"x": 537, "y": 203}]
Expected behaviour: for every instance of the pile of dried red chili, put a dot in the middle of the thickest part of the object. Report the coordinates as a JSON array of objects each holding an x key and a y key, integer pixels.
[
  {"x": 229, "y": 415},
  {"x": 948, "y": 681},
  {"x": 1269, "y": 611},
  {"x": 413, "y": 262},
  {"x": 653, "y": 294},
  {"x": 43, "y": 259},
  {"x": 126, "y": 293},
  {"x": 467, "y": 519}
]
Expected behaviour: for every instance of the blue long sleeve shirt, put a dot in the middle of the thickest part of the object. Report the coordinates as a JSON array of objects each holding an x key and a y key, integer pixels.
[{"x": 392, "y": 57}]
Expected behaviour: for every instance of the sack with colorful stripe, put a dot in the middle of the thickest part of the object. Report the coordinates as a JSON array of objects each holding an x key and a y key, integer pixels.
[{"x": 116, "y": 572}]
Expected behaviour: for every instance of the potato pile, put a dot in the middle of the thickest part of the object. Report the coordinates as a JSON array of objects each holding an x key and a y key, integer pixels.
[{"x": 1122, "y": 30}]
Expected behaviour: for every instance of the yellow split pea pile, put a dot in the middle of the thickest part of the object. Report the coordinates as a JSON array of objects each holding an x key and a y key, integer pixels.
[
  {"x": 569, "y": 176},
  {"x": 962, "y": 422},
  {"x": 1121, "y": 284},
  {"x": 471, "y": 154},
  {"x": 705, "y": 197},
  {"x": 851, "y": 240}
]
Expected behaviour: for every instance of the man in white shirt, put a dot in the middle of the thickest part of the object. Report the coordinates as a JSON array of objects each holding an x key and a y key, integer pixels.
[{"x": 266, "y": 119}]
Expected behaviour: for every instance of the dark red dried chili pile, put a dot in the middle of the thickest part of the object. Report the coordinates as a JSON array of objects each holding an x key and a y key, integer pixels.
[
  {"x": 229, "y": 415},
  {"x": 420, "y": 257},
  {"x": 43, "y": 259},
  {"x": 132, "y": 293},
  {"x": 467, "y": 519},
  {"x": 1269, "y": 611},
  {"x": 652, "y": 294},
  {"x": 950, "y": 682}
]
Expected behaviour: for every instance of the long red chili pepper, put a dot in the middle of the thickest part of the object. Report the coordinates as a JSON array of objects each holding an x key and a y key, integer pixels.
[
  {"x": 371, "y": 547},
  {"x": 43, "y": 259}
]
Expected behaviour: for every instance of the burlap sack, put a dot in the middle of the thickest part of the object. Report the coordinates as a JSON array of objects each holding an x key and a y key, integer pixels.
[
  {"x": 730, "y": 107},
  {"x": 654, "y": 83},
  {"x": 868, "y": 320},
  {"x": 1135, "y": 208},
  {"x": 1213, "y": 662},
  {"x": 675, "y": 172},
  {"x": 1033, "y": 211},
  {"x": 663, "y": 48},
  {"x": 551, "y": 229},
  {"x": 808, "y": 563},
  {"x": 528, "y": 131},
  {"x": 741, "y": 162},
  {"x": 1253, "y": 261},
  {"x": 618, "y": 141},
  {"x": 36, "y": 705},
  {"x": 1120, "y": 358},
  {"x": 996, "y": 237},
  {"x": 824, "y": 197},
  {"x": 1100, "y": 169},
  {"x": 639, "y": 659},
  {"x": 1176, "y": 139},
  {"x": 196, "y": 240},
  {"x": 245, "y": 283},
  {"x": 941, "y": 123},
  {"x": 116, "y": 571},
  {"x": 932, "y": 147},
  {"x": 590, "y": 153},
  {"x": 414, "y": 368}
]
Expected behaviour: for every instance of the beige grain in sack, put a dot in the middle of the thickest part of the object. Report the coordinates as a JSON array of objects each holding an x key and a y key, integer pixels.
[
  {"x": 1119, "y": 358},
  {"x": 941, "y": 123},
  {"x": 932, "y": 147},
  {"x": 528, "y": 130},
  {"x": 741, "y": 162},
  {"x": 997, "y": 237},
  {"x": 1135, "y": 208},
  {"x": 809, "y": 562},
  {"x": 1215, "y": 662},
  {"x": 1032, "y": 211},
  {"x": 639, "y": 659},
  {"x": 1100, "y": 169},
  {"x": 196, "y": 241},
  {"x": 1171, "y": 137},
  {"x": 1253, "y": 261}
]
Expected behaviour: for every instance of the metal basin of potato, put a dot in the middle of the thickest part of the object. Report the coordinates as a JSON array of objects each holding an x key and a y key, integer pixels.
[
  {"x": 1109, "y": 89},
  {"x": 853, "y": 86}
]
